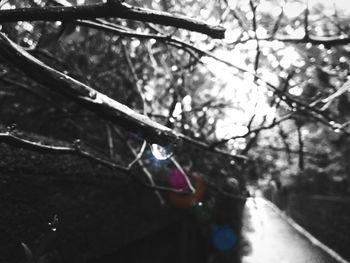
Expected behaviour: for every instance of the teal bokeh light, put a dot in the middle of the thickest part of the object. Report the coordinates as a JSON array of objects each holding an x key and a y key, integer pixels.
[{"x": 202, "y": 212}]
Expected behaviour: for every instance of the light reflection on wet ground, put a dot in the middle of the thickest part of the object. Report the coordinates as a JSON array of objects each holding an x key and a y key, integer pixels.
[{"x": 272, "y": 240}]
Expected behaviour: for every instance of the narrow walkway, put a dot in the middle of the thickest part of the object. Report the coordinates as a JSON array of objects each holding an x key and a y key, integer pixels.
[{"x": 271, "y": 239}]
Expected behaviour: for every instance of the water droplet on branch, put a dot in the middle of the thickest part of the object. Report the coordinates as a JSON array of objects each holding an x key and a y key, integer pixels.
[
  {"x": 76, "y": 144},
  {"x": 92, "y": 94},
  {"x": 53, "y": 223},
  {"x": 12, "y": 127},
  {"x": 161, "y": 152}
]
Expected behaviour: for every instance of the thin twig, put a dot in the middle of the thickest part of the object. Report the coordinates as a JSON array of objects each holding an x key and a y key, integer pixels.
[
  {"x": 144, "y": 169},
  {"x": 183, "y": 173},
  {"x": 16, "y": 141},
  {"x": 271, "y": 125},
  {"x": 135, "y": 79},
  {"x": 301, "y": 146},
  {"x": 139, "y": 155}
]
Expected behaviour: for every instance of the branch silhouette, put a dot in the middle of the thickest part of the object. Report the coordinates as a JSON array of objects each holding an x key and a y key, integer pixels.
[{"x": 109, "y": 10}]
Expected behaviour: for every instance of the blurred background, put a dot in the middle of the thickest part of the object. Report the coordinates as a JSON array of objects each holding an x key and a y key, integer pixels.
[{"x": 261, "y": 114}]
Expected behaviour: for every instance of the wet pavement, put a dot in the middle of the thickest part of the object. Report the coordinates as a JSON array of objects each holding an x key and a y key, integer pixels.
[{"x": 271, "y": 239}]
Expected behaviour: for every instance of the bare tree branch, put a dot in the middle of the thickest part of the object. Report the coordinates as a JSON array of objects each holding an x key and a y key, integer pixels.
[
  {"x": 110, "y": 140},
  {"x": 138, "y": 160},
  {"x": 306, "y": 20},
  {"x": 310, "y": 155},
  {"x": 256, "y": 130},
  {"x": 93, "y": 100},
  {"x": 16, "y": 141},
  {"x": 315, "y": 40},
  {"x": 135, "y": 79},
  {"x": 328, "y": 101},
  {"x": 284, "y": 137},
  {"x": 138, "y": 156},
  {"x": 208, "y": 147},
  {"x": 186, "y": 46},
  {"x": 183, "y": 173},
  {"x": 301, "y": 146},
  {"x": 255, "y": 26},
  {"x": 85, "y": 96},
  {"x": 116, "y": 9},
  {"x": 277, "y": 23}
]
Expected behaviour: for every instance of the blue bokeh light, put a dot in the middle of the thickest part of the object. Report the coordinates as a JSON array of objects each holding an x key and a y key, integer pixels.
[{"x": 223, "y": 238}]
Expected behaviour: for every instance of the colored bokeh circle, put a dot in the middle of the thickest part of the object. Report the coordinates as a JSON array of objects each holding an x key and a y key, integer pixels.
[
  {"x": 223, "y": 238},
  {"x": 177, "y": 181}
]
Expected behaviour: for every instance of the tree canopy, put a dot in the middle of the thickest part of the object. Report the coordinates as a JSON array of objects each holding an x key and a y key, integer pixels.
[{"x": 230, "y": 87}]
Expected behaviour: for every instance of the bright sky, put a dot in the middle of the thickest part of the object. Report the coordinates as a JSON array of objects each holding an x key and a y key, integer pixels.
[
  {"x": 242, "y": 91},
  {"x": 238, "y": 88}
]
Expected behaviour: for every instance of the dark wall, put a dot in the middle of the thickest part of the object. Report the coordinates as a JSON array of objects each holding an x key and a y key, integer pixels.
[
  {"x": 69, "y": 210},
  {"x": 325, "y": 217},
  {"x": 65, "y": 209}
]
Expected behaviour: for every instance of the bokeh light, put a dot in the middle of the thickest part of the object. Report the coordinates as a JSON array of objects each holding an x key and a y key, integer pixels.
[
  {"x": 202, "y": 213},
  {"x": 177, "y": 180},
  {"x": 223, "y": 238},
  {"x": 161, "y": 152}
]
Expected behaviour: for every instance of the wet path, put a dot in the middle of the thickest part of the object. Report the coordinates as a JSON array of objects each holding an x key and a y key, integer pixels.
[{"x": 273, "y": 240}]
